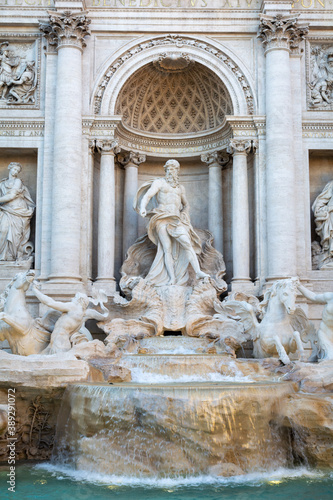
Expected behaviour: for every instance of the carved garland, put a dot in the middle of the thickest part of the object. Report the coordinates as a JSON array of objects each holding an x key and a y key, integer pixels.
[{"x": 179, "y": 42}]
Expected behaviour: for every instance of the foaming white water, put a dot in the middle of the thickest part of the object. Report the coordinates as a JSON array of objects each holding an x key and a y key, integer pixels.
[
  {"x": 143, "y": 377},
  {"x": 279, "y": 475},
  {"x": 178, "y": 350}
]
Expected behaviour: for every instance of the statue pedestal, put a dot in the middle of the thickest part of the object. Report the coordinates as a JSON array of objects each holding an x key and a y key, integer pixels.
[{"x": 174, "y": 298}]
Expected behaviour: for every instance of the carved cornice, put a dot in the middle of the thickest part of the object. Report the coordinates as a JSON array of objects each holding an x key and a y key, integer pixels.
[
  {"x": 177, "y": 145},
  {"x": 22, "y": 128},
  {"x": 318, "y": 130},
  {"x": 66, "y": 28},
  {"x": 281, "y": 32},
  {"x": 107, "y": 146},
  {"x": 238, "y": 146},
  {"x": 131, "y": 158},
  {"x": 217, "y": 158},
  {"x": 100, "y": 127},
  {"x": 178, "y": 41}
]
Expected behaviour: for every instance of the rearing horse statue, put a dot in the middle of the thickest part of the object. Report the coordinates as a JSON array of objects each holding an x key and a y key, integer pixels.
[
  {"x": 283, "y": 323},
  {"x": 23, "y": 333}
]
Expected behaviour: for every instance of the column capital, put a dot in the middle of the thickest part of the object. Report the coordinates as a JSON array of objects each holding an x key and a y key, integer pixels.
[
  {"x": 239, "y": 146},
  {"x": 217, "y": 158},
  {"x": 91, "y": 146},
  {"x": 66, "y": 29},
  {"x": 107, "y": 146},
  {"x": 281, "y": 32},
  {"x": 255, "y": 145},
  {"x": 131, "y": 158}
]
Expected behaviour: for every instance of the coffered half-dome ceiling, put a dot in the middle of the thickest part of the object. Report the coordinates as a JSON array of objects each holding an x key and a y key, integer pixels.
[{"x": 175, "y": 98}]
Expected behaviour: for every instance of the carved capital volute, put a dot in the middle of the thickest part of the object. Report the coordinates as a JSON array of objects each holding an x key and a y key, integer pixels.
[
  {"x": 66, "y": 29},
  {"x": 281, "y": 32},
  {"x": 216, "y": 159},
  {"x": 92, "y": 146},
  {"x": 131, "y": 158},
  {"x": 239, "y": 146},
  {"x": 107, "y": 147}
]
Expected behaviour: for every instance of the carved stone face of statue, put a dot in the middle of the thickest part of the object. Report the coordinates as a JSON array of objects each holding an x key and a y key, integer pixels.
[
  {"x": 172, "y": 173},
  {"x": 14, "y": 169}
]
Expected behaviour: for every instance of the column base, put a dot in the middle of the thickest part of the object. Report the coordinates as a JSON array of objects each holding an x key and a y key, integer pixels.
[
  {"x": 106, "y": 284},
  {"x": 243, "y": 285},
  {"x": 271, "y": 279}
]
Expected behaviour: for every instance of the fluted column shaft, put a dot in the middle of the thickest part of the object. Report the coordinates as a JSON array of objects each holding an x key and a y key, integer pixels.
[
  {"x": 240, "y": 211},
  {"x": 278, "y": 33},
  {"x": 106, "y": 214},
  {"x": 131, "y": 162}
]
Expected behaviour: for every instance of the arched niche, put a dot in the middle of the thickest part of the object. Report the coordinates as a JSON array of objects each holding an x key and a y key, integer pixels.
[{"x": 119, "y": 68}]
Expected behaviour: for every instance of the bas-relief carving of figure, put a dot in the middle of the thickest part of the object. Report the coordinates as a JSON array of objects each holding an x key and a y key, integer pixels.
[
  {"x": 325, "y": 331},
  {"x": 169, "y": 228},
  {"x": 323, "y": 213},
  {"x": 18, "y": 78},
  {"x": 7, "y": 63},
  {"x": 70, "y": 327},
  {"x": 321, "y": 83},
  {"x": 16, "y": 210},
  {"x": 22, "y": 88}
]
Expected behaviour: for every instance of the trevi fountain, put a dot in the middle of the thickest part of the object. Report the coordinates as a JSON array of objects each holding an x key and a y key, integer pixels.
[{"x": 166, "y": 249}]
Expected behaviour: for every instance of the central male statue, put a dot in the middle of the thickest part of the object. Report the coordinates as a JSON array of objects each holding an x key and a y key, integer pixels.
[{"x": 163, "y": 200}]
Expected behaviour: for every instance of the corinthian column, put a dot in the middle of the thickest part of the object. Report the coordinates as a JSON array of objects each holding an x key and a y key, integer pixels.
[
  {"x": 278, "y": 34},
  {"x": 67, "y": 32},
  {"x": 131, "y": 162},
  {"x": 106, "y": 215},
  {"x": 240, "y": 211},
  {"x": 215, "y": 161}
]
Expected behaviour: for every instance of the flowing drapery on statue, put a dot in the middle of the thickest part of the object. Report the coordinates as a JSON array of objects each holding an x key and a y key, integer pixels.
[
  {"x": 323, "y": 213},
  {"x": 16, "y": 210},
  {"x": 164, "y": 202}
]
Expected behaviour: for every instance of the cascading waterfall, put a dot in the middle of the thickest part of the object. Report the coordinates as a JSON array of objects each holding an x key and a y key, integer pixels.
[{"x": 173, "y": 429}]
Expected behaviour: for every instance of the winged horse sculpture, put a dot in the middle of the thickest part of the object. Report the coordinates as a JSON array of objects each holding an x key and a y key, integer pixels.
[{"x": 283, "y": 325}]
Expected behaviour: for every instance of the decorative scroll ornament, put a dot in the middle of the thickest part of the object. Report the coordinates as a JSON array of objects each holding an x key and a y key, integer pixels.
[
  {"x": 178, "y": 42},
  {"x": 281, "y": 31},
  {"x": 239, "y": 146},
  {"x": 217, "y": 158},
  {"x": 65, "y": 28},
  {"x": 130, "y": 157},
  {"x": 107, "y": 146},
  {"x": 321, "y": 77},
  {"x": 169, "y": 62}
]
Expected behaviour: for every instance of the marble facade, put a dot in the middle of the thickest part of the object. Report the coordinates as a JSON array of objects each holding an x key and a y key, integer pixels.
[{"x": 238, "y": 91}]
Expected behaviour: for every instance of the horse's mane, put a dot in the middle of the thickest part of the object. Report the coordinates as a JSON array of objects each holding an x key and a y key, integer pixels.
[
  {"x": 5, "y": 293},
  {"x": 271, "y": 292}
]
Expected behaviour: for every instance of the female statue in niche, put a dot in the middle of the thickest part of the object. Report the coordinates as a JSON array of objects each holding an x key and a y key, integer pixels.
[{"x": 16, "y": 210}]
